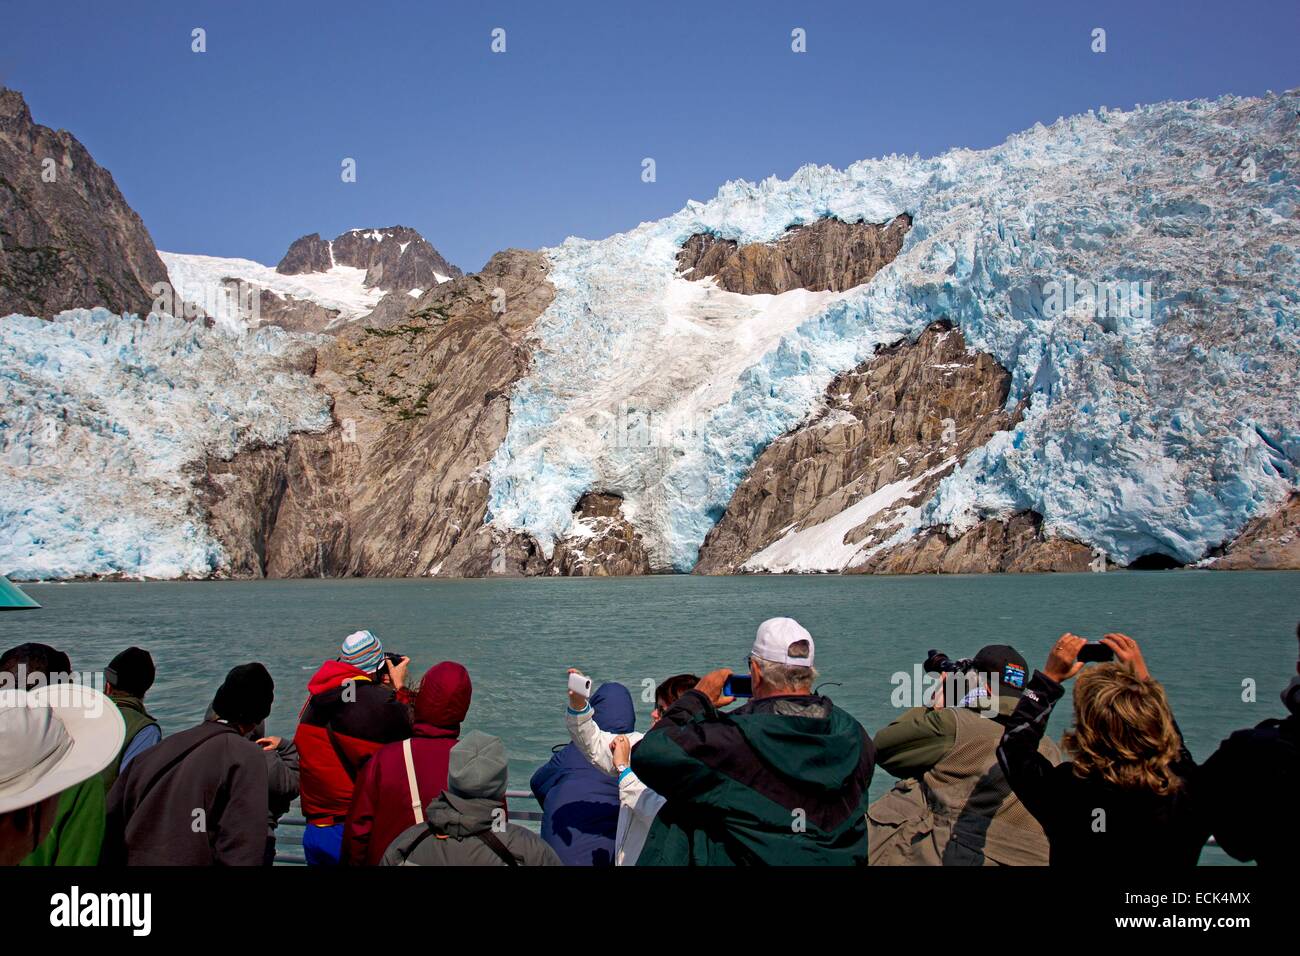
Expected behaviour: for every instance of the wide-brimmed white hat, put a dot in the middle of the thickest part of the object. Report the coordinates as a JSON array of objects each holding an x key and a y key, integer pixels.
[{"x": 52, "y": 738}]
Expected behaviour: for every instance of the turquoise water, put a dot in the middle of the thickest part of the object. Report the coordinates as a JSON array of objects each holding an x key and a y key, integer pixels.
[{"x": 1203, "y": 633}]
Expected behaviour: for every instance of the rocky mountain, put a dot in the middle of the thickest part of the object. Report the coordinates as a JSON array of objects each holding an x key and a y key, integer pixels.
[
  {"x": 68, "y": 239},
  {"x": 825, "y": 254},
  {"x": 826, "y": 496},
  {"x": 1077, "y": 350},
  {"x": 396, "y": 258},
  {"x": 395, "y": 487}
]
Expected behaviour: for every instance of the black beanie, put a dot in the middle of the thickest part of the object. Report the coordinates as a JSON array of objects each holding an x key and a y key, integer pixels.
[
  {"x": 245, "y": 696},
  {"x": 131, "y": 672}
]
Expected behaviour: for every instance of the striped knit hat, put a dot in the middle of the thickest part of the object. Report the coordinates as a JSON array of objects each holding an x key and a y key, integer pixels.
[{"x": 363, "y": 651}]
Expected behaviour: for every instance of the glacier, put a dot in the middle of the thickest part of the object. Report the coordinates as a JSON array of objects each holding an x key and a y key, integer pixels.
[
  {"x": 104, "y": 420},
  {"x": 1162, "y": 430}
]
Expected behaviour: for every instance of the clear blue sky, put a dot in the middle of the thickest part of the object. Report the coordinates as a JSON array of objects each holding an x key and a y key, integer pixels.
[{"x": 237, "y": 151}]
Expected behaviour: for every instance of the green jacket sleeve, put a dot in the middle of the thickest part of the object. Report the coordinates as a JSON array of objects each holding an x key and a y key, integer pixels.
[
  {"x": 659, "y": 759},
  {"x": 78, "y": 831},
  {"x": 917, "y": 741}
]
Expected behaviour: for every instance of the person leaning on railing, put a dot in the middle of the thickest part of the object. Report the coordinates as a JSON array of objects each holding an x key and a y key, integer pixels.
[{"x": 1126, "y": 795}]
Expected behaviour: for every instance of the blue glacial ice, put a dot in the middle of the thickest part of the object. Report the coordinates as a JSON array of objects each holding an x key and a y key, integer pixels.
[
  {"x": 103, "y": 420},
  {"x": 1163, "y": 430}
]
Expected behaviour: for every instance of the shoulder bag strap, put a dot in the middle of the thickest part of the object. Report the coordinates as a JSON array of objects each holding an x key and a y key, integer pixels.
[{"x": 417, "y": 806}]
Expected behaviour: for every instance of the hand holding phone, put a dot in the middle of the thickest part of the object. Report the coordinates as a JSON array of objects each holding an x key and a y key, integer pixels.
[
  {"x": 1095, "y": 653},
  {"x": 738, "y": 685},
  {"x": 579, "y": 689}
]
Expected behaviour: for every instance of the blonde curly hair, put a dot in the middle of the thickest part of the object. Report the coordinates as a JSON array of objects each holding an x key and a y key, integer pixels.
[{"x": 1123, "y": 730}]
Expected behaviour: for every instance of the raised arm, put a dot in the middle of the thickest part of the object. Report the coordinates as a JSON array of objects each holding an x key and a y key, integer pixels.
[{"x": 1028, "y": 772}]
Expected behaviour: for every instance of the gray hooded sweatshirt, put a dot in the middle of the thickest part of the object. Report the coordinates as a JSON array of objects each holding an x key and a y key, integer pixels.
[{"x": 461, "y": 822}]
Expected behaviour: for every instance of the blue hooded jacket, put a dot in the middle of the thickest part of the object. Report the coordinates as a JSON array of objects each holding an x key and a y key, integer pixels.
[{"x": 579, "y": 802}]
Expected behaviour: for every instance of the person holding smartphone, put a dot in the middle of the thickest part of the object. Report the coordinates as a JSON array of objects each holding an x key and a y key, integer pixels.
[
  {"x": 781, "y": 780},
  {"x": 1127, "y": 794}
]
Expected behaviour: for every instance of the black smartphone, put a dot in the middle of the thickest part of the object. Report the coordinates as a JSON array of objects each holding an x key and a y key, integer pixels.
[
  {"x": 737, "y": 686},
  {"x": 1095, "y": 652}
]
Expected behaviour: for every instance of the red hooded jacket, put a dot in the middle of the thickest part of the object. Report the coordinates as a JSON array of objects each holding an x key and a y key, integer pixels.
[
  {"x": 347, "y": 718},
  {"x": 381, "y": 803}
]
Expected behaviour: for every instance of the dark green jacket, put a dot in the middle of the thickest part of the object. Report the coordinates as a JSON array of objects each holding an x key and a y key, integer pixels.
[
  {"x": 136, "y": 719},
  {"x": 780, "y": 781}
]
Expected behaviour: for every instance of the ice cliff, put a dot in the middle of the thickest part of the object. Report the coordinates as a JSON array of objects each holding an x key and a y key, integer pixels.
[
  {"x": 102, "y": 419},
  {"x": 1163, "y": 410}
]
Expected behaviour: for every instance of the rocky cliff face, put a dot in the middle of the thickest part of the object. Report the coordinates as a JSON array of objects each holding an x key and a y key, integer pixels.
[
  {"x": 824, "y": 255},
  {"x": 394, "y": 258},
  {"x": 1011, "y": 545},
  {"x": 306, "y": 254},
  {"x": 827, "y": 496},
  {"x": 1269, "y": 543},
  {"x": 395, "y": 488},
  {"x": 602, "y": 542},
  {"x": 72, "y": 242}
]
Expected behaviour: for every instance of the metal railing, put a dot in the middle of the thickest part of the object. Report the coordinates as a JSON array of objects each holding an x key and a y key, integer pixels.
[{"x": 288, "y": 835}]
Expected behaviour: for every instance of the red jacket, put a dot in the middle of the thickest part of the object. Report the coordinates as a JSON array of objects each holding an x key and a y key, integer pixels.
[
  {"x": 381, "y": 803},
  {"x": 346, "y": 720}
]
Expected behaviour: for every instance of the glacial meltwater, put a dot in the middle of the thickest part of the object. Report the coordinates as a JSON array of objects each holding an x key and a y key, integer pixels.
[{"x": 1208, "y": 636}]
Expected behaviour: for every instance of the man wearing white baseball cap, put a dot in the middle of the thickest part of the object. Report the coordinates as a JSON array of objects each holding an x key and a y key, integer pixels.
[
  {"x": 51, "y": 738},
  {"x": 782, "y": 780}
]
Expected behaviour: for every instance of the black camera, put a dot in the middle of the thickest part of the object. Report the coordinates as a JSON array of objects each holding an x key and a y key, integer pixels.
[{"x": 940, "y": 663}]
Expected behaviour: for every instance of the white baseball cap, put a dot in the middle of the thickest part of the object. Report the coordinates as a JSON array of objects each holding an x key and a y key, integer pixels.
[
  {"x": 775, "y": 635},
  {"x": 52, "y": 738}
]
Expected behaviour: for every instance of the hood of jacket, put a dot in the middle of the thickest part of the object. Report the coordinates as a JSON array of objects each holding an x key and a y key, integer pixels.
[
  {"x": 332, "y": 674},
  {"x": 1291, "y": 696},
  {"x": 805, "y": 738},
  {"x": 443, "y": 700},
  {"x": 462, "y": 816},
  {"x": 615, "y": 714}
]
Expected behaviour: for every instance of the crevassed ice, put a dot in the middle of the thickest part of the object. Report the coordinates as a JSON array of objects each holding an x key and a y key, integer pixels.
[
  {"x": 103, "y": 418},
  {"x": 1165, "y": 429}
]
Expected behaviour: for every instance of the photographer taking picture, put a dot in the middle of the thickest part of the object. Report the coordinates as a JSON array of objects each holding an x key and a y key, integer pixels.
[
  {"x": 781, "y": 780},
  {"x": 1125, "y": 795},
  {"x": 952, "y": 805}
]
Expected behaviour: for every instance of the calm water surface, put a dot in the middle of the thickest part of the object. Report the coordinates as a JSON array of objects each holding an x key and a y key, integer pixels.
[{"x": 1203, "y": 633}]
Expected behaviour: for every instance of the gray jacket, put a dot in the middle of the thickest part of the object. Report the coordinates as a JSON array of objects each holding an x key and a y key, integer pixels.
[
  {"x": 449, "y": 837},
  {"x": 281, "y": 773}
]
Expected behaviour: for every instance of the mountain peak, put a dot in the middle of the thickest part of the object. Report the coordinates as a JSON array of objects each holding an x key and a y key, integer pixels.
[{"x": 393, "y": 257}]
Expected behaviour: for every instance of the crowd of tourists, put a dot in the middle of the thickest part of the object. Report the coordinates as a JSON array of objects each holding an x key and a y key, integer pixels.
[{"x": 387, "y": 775}]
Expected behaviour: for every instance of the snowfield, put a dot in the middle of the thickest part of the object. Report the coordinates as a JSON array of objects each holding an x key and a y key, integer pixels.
[
  {"x": 201, "y": 279},
  {"x": 1165, "y": 429},
  {"x": 102, "y": 421}
]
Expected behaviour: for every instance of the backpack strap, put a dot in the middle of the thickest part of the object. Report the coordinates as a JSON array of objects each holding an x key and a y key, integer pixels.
[
  {"x": 493, "y": 843},
  {"x": 417, "y": 807}
]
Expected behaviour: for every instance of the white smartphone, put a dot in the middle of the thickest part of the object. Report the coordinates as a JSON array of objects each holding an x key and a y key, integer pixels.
[{"x": 580, "y": 684}]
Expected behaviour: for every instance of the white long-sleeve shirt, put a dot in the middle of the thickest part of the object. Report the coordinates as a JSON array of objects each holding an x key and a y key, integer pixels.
[{"x": 637, "y": 803}]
